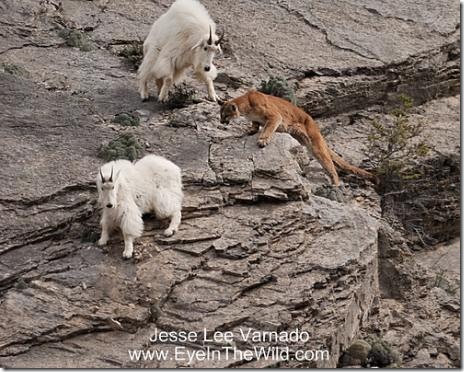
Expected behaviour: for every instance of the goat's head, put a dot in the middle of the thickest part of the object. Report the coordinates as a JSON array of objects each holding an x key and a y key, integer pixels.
[
  {"x": 205, "y": 51},
  {"x": 229, "y": 111},
  {"x": 107, "y": 189}
]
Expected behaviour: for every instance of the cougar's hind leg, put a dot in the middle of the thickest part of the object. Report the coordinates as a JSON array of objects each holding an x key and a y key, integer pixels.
[{"x": 322, "y": 154}]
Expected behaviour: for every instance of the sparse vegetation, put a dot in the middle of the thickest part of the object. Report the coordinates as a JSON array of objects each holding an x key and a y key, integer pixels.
[
  {"x": 13, "y": 69},
  {"x": 442, "y": 282},
  {"x": 356, "y": 354},
  {"x": 422, "y": 192},
  {"x": 329, "y": 192},
  {"x": 127, "y": 119},
  {"x": 429, "y": 205},
  {"x": 125, "y": 146},
  {"x": 372, "y": 352},
  {"x": 89, "y": 235},
  {"x": 394, "y": 148},
  {"x": 278, "y": 87},
  {"x": 382, "y": 354},
  {"x": 181, "y": 96},
  {"x": 133, "y": 53},
  {"x": 76, "y": 39}
]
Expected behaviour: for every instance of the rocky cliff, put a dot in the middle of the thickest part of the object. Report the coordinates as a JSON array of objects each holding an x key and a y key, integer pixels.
[{"x": 264, "y": 243}]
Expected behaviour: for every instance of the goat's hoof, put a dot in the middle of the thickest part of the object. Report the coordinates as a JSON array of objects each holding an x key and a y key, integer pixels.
[
  {"x": 145, "y": 99},
  {"x": 102, "y": 241},
  {"x": 126, "y": 255},
  {"x": 169, "y": 232}
]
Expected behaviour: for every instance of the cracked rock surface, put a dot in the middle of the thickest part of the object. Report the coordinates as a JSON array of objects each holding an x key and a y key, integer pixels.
[{"x": 259, "y": 246}]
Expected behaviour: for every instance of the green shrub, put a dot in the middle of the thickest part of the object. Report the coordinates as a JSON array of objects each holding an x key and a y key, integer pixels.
[
  {"x": 395, "y": 148},
  {"x": 76, "y": 39},
  {"x": 278, "y": 87},
  {"x": 127, "y": 119},
  {"x": 13, "y": 69},
  {"x": 133, "y": 53},
  {"x": 89, "y": 235},
  {"x": 420, "y": 191},
  {"x": 382, "y": 354},
  {"x": 442, "y": 282},
  {"x": 125, "y": 146},
  {"x": 181, "y": 96}
]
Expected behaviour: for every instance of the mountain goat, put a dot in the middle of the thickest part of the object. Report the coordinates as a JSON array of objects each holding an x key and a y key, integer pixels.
[
  {"x": 184, "y": 36},
  {"x": 126, "y": 191}
]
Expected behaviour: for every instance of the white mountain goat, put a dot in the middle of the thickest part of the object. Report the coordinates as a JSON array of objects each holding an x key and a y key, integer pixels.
[
  {"x": 184, "y": 36},
  {"x": 126, "y": 191}
]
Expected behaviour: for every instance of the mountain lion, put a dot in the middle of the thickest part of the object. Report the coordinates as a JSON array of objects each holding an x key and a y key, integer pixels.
[{"x": 277, "y": 114}]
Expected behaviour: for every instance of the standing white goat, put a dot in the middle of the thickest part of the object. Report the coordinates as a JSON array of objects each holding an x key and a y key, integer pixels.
[
  {"x": 126, "y": 191},
  {"x": 184, "y": 36}
]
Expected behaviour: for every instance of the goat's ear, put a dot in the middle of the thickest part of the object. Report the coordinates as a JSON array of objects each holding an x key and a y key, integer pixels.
[
  {"x": 220, "y": 102},
  {"x": 197, "y": 44},
  {"x": 116, "y": 176}
]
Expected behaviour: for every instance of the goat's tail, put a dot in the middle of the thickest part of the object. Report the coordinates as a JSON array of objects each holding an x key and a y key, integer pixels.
[
  {"x": 343, "y": 164},
  {"x": 144, "y": 74},
  {"x": 149, "y": 59}
]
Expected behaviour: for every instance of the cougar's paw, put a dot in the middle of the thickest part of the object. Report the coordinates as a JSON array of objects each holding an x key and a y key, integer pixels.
[{"x": 263, "y": 142}]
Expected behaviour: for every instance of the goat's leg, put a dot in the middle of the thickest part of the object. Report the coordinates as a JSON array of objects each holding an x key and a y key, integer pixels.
[
  {"x": 211, "y": 91},
  {"x": 143, "y": 90},
  {"x": 208, "y": 77},
  {"x": 131, "y": 227},
  {"x": 128, "y": 245},
  {"x": 105, "y": 233},
  {"x": 163, "y": 94},
  {"x": 174, "y": 224}
]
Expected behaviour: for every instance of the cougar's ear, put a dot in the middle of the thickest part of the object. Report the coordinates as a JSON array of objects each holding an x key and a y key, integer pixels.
[{"x": 234, "y": 107}]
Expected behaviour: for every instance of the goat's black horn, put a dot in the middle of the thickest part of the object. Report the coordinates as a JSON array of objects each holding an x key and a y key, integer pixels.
[
  {"x": 101, "y": 175},
  {"x": 111, "y": 176},
  {"x": 220, "y": 39},
  {"x": 210, "y": 40}
]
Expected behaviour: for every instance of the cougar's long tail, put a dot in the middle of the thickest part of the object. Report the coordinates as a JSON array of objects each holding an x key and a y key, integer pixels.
[{"x": 343, "y": 164}]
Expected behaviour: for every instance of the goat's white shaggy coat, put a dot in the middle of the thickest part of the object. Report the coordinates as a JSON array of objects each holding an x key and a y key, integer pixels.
[
  {"x": 126, "y": 191},
  {"x": 180, "y": 38}
]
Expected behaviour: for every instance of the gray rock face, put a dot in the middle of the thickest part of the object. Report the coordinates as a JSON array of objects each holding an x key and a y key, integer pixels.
[
  {"x": 253, "y": 251},
  {"x": 261, "y": 245}
]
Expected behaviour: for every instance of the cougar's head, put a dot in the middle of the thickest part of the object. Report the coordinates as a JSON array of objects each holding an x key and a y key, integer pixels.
[{"x": 229, "y": 111}]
